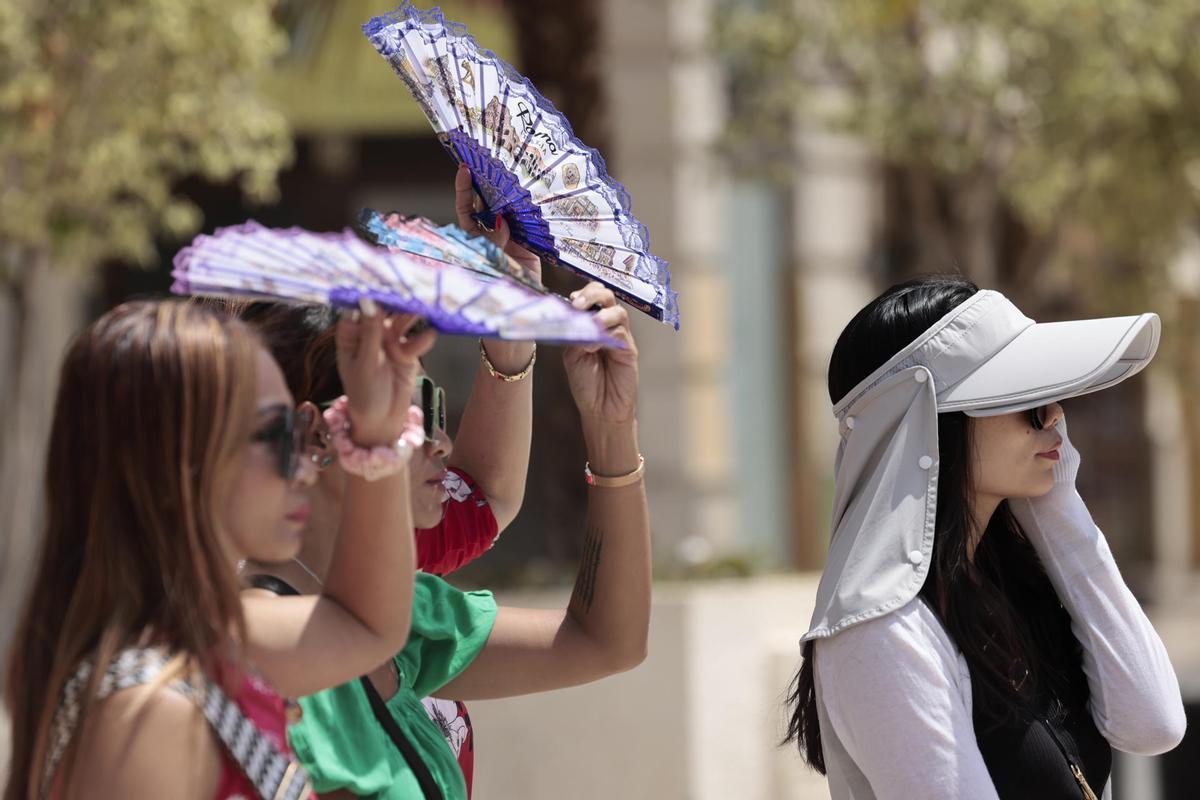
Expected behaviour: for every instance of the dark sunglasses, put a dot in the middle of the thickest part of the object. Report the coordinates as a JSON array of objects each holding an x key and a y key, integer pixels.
[
  {"x": 1037, "y": 417},
  {"x": 432, "y": 399},
  {"x": 285, "y": 435}
]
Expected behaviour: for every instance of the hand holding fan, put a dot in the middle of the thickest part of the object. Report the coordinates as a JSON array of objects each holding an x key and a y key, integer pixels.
[
  {"x": 552, "y": 190},
  {"x": 340, "y": 269}
]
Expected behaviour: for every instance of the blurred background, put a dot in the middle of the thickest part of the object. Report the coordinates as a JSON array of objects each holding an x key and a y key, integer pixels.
[{"x": 791, "y": 159}]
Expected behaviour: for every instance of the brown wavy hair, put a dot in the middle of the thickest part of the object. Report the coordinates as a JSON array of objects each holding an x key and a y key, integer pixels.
[
  {"x": 155, "y": 403},
  {"x": 299, "y": 335}
]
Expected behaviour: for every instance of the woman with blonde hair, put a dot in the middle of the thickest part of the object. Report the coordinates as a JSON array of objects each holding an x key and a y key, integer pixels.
[{"x": 174, "y": 454}]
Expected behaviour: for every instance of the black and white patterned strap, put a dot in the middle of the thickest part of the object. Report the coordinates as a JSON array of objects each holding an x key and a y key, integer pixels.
[{"x": 274, "y": 775}]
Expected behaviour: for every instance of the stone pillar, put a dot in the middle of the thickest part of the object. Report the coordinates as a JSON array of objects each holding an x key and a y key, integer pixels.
[
  {"x": 657, "y": 143},
  {"x": 837, "y": 212}
]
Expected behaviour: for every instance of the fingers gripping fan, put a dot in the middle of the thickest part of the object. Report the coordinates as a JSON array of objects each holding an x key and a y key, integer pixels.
[
  {"x": 341, "y": 269},
  {"x": 552, "y": 190}
]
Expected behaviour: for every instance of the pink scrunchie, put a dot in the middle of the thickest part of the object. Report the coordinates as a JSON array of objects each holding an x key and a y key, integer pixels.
[{"x": 372, "y": 463}]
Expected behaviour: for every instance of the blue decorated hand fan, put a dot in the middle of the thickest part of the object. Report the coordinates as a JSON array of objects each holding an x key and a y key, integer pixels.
[
  {"x": 552, "y": 190},
  {"x": 340, "y": 269},
  {"x": 421, "y": 237}
]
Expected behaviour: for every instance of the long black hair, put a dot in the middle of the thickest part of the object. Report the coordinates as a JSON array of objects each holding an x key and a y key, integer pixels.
[{"x": 999, "y": 608}]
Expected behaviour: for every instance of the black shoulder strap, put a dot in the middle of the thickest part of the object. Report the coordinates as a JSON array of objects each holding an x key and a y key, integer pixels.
[
  {"x": 429, "y": 787},
  {"x": 272, "y": 584},
  {"x": 1073, "y": 761}
]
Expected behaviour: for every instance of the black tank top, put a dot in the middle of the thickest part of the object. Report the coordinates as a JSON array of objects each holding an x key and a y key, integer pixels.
[
  {"x": 1031, "y": 755},
  {"x": 1031, "y": 759}
]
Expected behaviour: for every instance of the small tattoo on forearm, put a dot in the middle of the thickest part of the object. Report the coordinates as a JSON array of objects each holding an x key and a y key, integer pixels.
[{"x": 585, "y": 584}]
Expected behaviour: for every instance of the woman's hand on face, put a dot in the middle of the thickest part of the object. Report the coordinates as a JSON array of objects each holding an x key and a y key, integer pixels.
[
  {"x": 379, "y": 363},
  {"x": 1067, "y": 469},
  {"x": 604, "y": 380},
  {"x": 465, "y": 204}
]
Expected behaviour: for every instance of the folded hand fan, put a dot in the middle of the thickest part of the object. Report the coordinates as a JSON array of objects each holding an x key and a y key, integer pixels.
[
  {"x": 340, "y": 269},
  {"x": 422, "y": 238},
  {"x": 552, "y": 190}
]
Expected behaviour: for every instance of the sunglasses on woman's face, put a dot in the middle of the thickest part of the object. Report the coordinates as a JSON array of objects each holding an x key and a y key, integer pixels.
[
  {"x": 285, "y": 435},
  {"x": 432, "y": 399},
  {"x": 1038, "y": 417}
]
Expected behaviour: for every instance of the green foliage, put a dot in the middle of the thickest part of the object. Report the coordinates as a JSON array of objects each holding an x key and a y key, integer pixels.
[
  {"x": 106, "y": 105},
  {"x": 758, "y": 48},
  {"x": 1083, "y": 115}
]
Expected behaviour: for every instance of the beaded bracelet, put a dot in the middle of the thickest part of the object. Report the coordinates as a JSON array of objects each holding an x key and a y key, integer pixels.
[
  {"x": 372, "y": 463},
  {"x": 498, "y": 375}
]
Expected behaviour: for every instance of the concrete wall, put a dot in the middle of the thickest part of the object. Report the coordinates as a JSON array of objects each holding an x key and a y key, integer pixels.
[{"x": 699, "y": 719}]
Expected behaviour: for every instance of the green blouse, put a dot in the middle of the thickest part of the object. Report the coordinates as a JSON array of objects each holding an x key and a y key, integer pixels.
[{"x": 343, "y": 746}]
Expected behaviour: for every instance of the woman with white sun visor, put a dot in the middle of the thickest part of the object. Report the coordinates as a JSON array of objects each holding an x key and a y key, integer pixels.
[{"x": 972, "y": 636}]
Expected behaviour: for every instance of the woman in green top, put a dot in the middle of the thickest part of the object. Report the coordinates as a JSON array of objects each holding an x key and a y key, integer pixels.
[{"x": 462, "y": 645}]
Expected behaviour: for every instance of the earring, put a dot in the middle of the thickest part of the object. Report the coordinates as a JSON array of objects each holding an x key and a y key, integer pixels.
[{"x": 321, "y": 461}]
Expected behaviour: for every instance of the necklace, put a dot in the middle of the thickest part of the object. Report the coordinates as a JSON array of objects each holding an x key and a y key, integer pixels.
[
  {"x": 311, "y": 574},
  {"x": 394, "y": 670}
]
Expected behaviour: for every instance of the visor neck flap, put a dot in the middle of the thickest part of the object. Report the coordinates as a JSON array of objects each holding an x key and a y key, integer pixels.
[{"x": 885, "y": 494}]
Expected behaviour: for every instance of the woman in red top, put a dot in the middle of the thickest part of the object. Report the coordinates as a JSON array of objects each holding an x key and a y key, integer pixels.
[{"x": 174, "y": 454}]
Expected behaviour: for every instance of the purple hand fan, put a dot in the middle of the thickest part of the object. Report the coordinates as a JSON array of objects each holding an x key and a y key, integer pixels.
[
  {"x": 340, "y": 269},
  {"x": 552, "y": 190}
]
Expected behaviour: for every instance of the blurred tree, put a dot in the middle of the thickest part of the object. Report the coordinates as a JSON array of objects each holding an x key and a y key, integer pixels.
[
  {"x": 1049, "y": 148},
  {"x": 1077, "y": 119},
  {"x": 103, "y": 108}
]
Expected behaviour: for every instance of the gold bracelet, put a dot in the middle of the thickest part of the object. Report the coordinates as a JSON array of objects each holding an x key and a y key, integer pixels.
[
  {"x": 615, "y": 481},
  {"x": 498, "y": 375}
]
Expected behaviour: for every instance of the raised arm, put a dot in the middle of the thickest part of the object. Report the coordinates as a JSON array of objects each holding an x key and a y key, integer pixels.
[
  {"x": 305, "y": 644},
  {"x": 492, "y": 445},
  {"x": 1135, "y": 697},
  {"x": 605, "y": 627}
]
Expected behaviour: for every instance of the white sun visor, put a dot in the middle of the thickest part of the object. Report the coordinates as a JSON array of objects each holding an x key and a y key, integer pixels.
[
  {"x": 984, "y": 358},
  {"x": 1053, "y": 361}
]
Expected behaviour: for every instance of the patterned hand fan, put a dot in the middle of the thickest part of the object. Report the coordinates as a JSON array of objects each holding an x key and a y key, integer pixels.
[
  {"x": 552, "y": 190},
  {"x": 340, "y": 269},
  {"x": 422, "y": 238}
]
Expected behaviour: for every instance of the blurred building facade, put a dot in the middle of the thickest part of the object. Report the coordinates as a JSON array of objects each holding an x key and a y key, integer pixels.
[
  {"x": 734, "y": 414},
  {"x": 736, "y": 424}
]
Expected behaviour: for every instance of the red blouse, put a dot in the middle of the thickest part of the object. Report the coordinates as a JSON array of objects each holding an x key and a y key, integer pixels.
[
  {"x": 268, "y": 711},
  {"x": 468, "y": 528}
]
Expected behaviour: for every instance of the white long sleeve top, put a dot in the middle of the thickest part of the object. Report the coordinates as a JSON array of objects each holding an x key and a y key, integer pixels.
[{"x": 894, "y": 693}]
